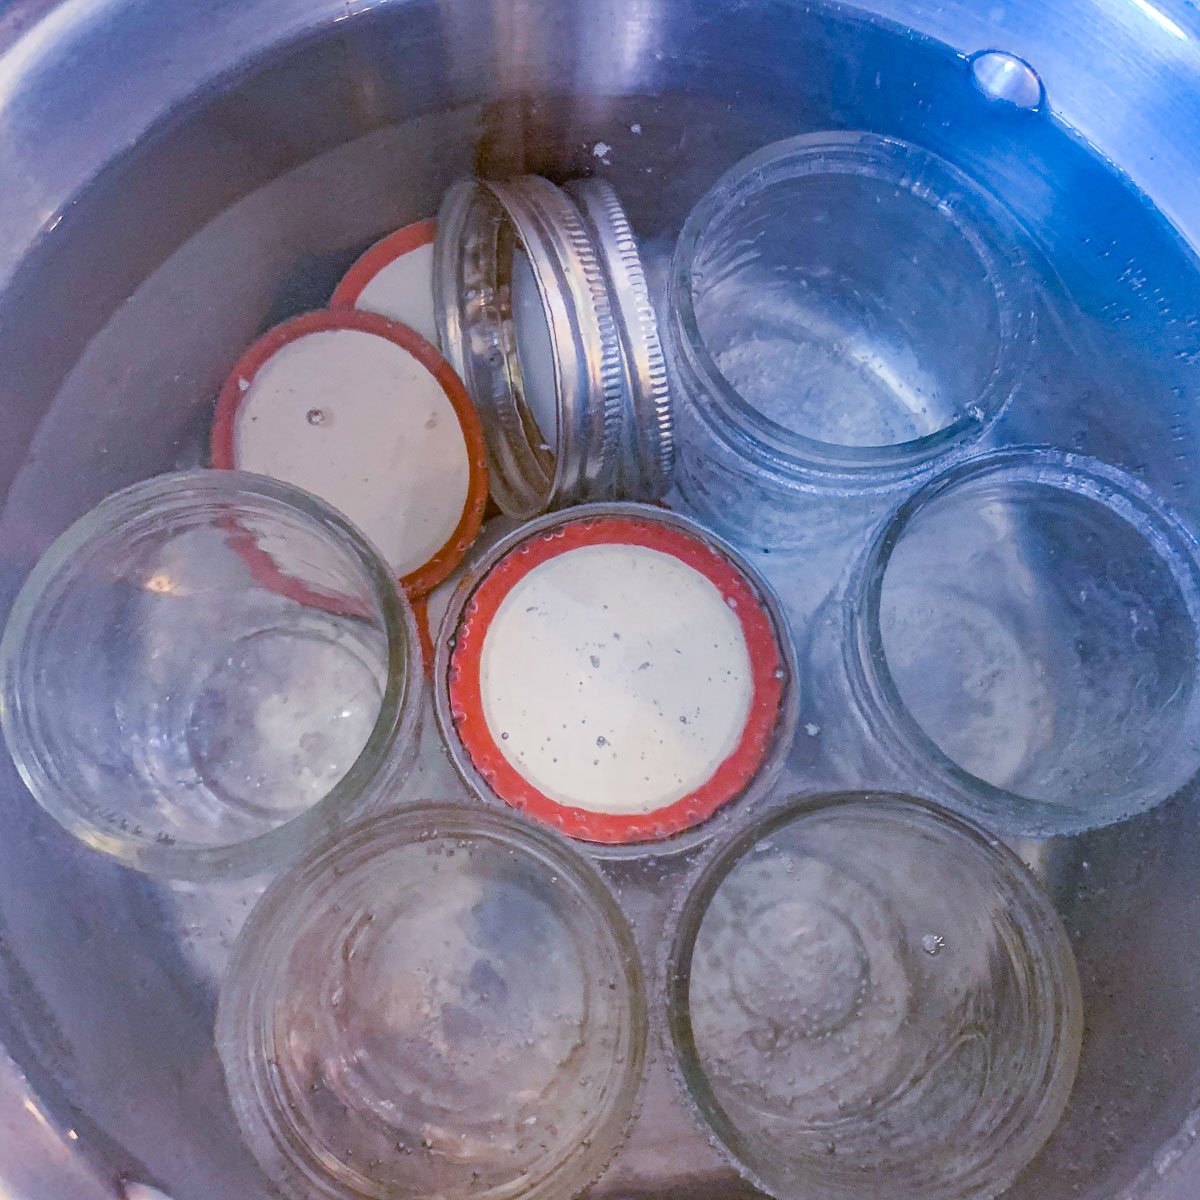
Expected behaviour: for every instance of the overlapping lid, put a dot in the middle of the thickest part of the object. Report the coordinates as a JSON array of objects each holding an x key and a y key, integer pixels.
[
  {"x": 365, "y": 413},
  {"x": 394, "y": 278}
]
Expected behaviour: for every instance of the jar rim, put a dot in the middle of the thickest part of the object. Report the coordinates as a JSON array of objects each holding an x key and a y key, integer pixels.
[
  {"x": 173, "y": 492},
  {"x": 875, "y": 691},
  {"x": 678, "y": 1034},
  {"x": 243, "y": 1010},
  {"x": 975, "y": 215}
]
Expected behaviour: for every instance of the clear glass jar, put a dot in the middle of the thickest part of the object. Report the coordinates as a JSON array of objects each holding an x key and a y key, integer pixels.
[
  {"x": 444, "y": 1002},
  {"x": 869, "y": 997},
  {"x": 846, "y": 311},
  {"x": 1020, "y": 641},
  {"x": 209, "y": 672}
]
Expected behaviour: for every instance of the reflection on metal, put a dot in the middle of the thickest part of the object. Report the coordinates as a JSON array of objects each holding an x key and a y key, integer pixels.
[
  {"x": 36, "y": 1113},
  {"x": 1161, "y": 19},
  {"x": 142, "y": 1191}
]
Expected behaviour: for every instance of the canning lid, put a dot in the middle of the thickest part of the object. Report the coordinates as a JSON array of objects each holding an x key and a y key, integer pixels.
[
  {"x": 869, "y": 997},
  {"x": 394, "y": 278},
  {"x": 525, "y": 316},
  {"x": 381, "y": 1031},
  {"x": 617, "y": 673},
  {"x": 647, "y": 432},
  {"x": 365, "y": 413}
]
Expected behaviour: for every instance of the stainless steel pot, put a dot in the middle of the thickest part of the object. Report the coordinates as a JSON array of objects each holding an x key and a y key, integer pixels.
[{"x": 175, "y": 174}]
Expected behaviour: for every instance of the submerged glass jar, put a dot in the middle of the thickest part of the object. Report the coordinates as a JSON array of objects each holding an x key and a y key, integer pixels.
[
  {"x": 869, "y": 997},
  {"x": 846, "y": 311},
  {"x": 1021, "y": 642},
  {"x": 444, "y": 1002},
  {"x": 208, "y": 673}
]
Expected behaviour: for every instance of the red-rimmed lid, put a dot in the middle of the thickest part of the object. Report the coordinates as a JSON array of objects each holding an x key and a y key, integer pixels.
[
  {"x": 430, "y": 609},
  {"x": 366, "y": 414},
  {"x": 618, "y": 677},
  {"x": 394, "y": 278},
  {"x": 425, "y": 625}
]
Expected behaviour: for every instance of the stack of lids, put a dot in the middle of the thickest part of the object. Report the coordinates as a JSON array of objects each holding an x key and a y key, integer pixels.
[
  {"x": 552, "y": 390},
  {"x": 356, "y": 404}
]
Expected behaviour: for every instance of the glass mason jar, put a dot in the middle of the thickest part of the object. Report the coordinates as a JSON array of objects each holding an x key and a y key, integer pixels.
[
  {"x": 445, "y": 1002},
  {"x": 1020, "y": 641},
  {"x": 870, "y": 997},
  {"x": 845, "y": 312},
  {"x": 207, "y": 673}
]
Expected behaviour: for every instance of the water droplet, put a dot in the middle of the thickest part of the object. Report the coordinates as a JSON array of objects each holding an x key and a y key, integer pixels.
[{"x": 1005, "y": 77}]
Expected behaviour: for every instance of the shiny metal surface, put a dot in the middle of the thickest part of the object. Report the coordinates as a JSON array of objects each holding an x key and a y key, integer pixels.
[
  {"x": 588, "y": 429},
  {"x": 647, "y": 438},
  {"x": 1005, "y": 77},
  {"x": 536, "y": 217},
  {"x": 129, "y": 128},
  {"x": 473, "y": 307}
]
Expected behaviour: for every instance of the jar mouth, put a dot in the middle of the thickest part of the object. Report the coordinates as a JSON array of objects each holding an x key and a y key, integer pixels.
[
  {"x": 793, "y": 870},
  {"x": 192, "y": 492},
  {"x": 985, "y": 234},
  {"x": 1010, "y": 793},
  {"x": 365, "y": 905}
]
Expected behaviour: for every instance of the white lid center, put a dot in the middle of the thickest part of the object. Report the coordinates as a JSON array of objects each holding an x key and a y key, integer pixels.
[
  {"x": 616, "y": 678},
  {"x": 355, "y": 419},
  {"x": 403, "y": 291}
]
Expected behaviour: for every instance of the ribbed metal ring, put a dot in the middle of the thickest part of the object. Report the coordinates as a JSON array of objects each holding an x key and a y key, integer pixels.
[
  {"x": 480, "y": 228},
  {"x": 474, "y": 314},
  {"x": 587, "y": 344},
  {"x": 648, "y": 441}
]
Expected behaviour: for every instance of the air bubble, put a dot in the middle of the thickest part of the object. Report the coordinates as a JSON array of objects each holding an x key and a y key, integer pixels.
[{"x": 1005, "y": 78}]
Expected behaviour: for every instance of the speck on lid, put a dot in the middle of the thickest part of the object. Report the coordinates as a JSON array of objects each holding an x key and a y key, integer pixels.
[{"x": 616, "y": 673}]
